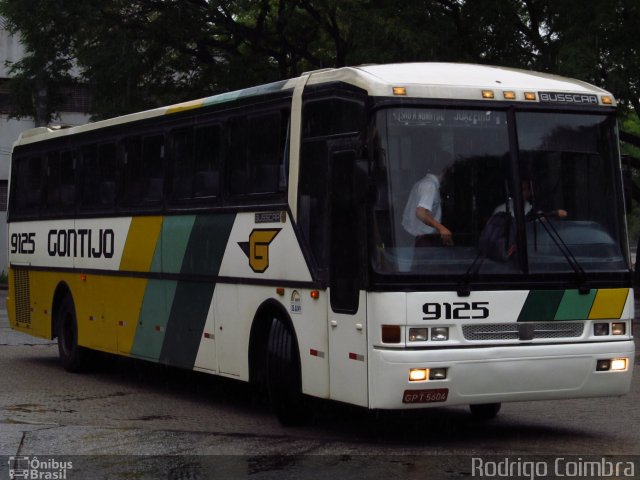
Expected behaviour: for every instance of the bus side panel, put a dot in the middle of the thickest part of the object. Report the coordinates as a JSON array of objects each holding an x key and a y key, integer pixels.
[
  {"x": 206, "y": 359},
  {"x": 105, "y": 305},
  {"x": 309, "y": 318},
  {"x": 349, "y": 357},
  {"x": 263, "y": 248},
  {"x": 234, "y": 308},
  {"x": 30, "y": 301},
  {"x": 173, "y": 311},
  {"x": 107, "y": 309}
]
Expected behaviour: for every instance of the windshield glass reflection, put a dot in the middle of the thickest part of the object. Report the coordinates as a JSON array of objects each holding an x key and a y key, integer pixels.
[
  {"x": 569, "y": 161},
  {"x": 445, "y": 203}
]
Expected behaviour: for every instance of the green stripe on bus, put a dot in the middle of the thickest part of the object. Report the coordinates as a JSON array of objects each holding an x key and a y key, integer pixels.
[
  {"x": 154, "y": 316},
  {"x": 575, "y": 306},
  {"x": 156, "y": 261},
  {"x": 176, "y": 232},
  {"x": 203, "y": 256},
  {"x": 541, "y": 305},
  {"x": 186, "y": 323},
  {"x": 207, "y": 243}
]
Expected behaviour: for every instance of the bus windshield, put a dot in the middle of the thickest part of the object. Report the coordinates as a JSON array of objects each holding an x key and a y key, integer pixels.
[{"x": 459, "y": 166}]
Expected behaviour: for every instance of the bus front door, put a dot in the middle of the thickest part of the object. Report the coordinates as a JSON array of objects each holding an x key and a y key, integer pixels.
[{"x": 347, "y": 313}]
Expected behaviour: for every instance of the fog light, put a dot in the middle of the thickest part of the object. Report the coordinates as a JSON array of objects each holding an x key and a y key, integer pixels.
[
  {"x": 439, "y": 334},
  {"x": 437, "y": 374},
  {"x": 418, "y": 374},
  {"x": 418, "y": 334},
  {"x": 619, "y": 364},
  {"x": 390, "y": 333},
  {"x": 618, "y": 328},
  {"x": 603, "y": 366},
  {"x": 600, "y": 329}
]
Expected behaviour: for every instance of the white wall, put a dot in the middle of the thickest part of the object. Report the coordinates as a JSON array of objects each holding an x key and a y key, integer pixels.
[{"x": 12, "y": 50}]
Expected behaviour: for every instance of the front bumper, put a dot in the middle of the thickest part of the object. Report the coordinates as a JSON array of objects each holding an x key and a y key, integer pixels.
[{"x": 498, "y": 374}]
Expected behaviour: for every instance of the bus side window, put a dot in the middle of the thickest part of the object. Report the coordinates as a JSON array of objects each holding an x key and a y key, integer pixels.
[
  {"x": 322, "y": 119},
  {"x": 332, "y": 116},
  {"x": 153, "y": 168},
  {"x": 90, "y": 176},
  {"x": 256, "y": 153},
  {"x": 313, "y": 205},
  {"x": 143, "y": 170},
  {"x": 182, "y": 161},
  {"x": 107, "y": 166},
  {"x": 195, "y": 153},
  {"x": 132, "y": 167},
  {"x": 28, "y": 184},
  {"x": 208, "y": 149},
  {"x": 61, "y": 184}
]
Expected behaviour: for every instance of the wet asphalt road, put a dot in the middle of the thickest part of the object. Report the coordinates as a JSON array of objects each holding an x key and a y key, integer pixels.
[{"x": 131, "y": 419}]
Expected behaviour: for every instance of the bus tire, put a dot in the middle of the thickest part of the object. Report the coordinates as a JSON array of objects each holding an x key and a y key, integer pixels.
[
  {"x": 485, "y": 411},
  {"x": 72, "y": 356},
  {"x": 284, "y": 384}
]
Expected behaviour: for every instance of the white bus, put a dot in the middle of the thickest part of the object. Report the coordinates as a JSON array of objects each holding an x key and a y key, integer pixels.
[{"x": 259, "y": 235}]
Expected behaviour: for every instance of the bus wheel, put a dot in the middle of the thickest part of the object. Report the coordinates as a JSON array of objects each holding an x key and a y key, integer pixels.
[
  {"x": 485, "y": 411},
  {"x": 71, "y": 355},
  {"x": 283, "y": 375}
]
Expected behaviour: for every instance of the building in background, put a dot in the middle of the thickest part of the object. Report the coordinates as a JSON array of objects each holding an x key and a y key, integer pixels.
[{"x": 73, "y": 112}]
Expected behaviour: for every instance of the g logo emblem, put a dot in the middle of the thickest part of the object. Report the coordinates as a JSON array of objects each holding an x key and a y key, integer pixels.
[{"x": 257, "y": 248}]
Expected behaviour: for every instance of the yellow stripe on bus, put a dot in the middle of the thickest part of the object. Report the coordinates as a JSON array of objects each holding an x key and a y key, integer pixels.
[
  {"x": 609, "y": 303},
  {"x": 184, "y": 106},
  {"x": 141, "y": 244}
]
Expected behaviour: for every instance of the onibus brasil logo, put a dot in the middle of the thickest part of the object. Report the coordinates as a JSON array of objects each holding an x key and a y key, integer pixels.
[{"x": 38, "y": 469}]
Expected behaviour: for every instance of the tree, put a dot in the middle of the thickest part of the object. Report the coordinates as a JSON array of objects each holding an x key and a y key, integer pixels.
[{"x": 143, "y": 53}]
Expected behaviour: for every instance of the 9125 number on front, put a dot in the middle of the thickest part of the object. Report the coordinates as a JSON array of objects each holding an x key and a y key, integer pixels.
[{"x": 455, "y": 310}]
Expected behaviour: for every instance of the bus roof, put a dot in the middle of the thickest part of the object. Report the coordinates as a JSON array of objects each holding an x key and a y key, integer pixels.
[
  {"x": 466, "y": 75},
  {"x": 455, "y": 81},
  {"x": 421, "y": 80}
]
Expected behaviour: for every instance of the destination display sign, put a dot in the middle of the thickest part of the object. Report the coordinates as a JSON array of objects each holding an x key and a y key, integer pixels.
[{"x": 452, "y": 118}]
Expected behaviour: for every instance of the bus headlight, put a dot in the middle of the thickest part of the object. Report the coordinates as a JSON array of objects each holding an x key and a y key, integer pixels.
[
  {"x": 600, "y": 329},
  {"x": 619, "y": 364},
  {"x": 618, "y": 328},
  {"x": 437, "y": 374},
  {"x": 612, "y": 365},
  {"x": 418, "y": 374},
  {"x": 418, "y": 334},
  {"x": 439, "y": 334}
]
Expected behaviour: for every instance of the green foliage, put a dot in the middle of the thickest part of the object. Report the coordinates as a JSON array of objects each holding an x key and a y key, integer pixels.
[{"x": 139, "y": 54}]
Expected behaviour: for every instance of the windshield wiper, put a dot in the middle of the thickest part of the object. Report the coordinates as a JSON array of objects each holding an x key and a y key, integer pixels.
[
  {"x": 464, "y": 287},
  {"x": 551, "y": 230}
]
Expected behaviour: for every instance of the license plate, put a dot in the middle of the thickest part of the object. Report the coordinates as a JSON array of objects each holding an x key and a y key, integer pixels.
[{"x": 425, "y": 396}]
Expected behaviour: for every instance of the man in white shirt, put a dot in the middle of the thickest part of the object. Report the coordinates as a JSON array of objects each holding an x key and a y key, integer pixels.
[{"x": 423, "y": 212}]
